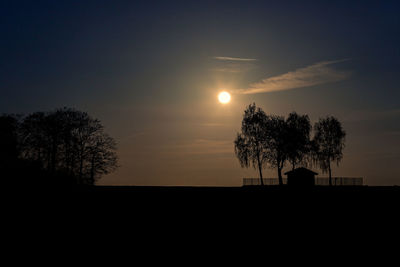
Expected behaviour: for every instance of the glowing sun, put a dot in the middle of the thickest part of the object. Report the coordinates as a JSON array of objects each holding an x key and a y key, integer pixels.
[{"x": 224, "y": 97}]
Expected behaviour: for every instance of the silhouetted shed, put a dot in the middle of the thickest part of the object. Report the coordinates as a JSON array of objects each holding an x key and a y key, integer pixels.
[{"x": 301, "y": 177}]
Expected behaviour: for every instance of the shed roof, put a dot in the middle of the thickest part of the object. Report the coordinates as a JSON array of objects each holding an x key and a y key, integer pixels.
[{"x": 300, "y": 170}]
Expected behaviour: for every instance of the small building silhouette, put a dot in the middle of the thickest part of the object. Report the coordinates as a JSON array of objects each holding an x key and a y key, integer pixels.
[{"x": 301, "y": 177}]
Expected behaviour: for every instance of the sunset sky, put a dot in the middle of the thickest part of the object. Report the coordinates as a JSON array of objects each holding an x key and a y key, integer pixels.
[{"x": 151, "y": 71}]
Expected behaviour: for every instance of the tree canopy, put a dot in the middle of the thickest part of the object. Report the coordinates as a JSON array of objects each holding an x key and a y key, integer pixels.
[{"x": 298, "y": 139}]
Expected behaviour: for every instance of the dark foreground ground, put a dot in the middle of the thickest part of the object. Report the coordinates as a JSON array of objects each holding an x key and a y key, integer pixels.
[
  {"x": 196, "y": 212},
  {"x": 241, "y": 198},
  {"x": 198, "y": 194},
  {"x": 248, "y": 195},
  {"x": 320, "y": 206},
  {"x": 193, "y": 192},
  {"x": 244, "y": 190}
]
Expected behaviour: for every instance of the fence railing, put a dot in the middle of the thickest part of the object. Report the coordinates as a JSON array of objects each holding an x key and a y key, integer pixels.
[{"x": 341, "y": 181}]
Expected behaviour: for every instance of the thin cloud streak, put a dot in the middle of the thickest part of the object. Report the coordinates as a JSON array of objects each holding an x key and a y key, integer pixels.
[
  {"x": 230, "y": 70},
  {"x": 318, "y": 73},
  {"x": 235, "y": 59}
]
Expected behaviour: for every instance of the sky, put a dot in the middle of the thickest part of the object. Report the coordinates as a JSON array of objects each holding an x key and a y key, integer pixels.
[{"x": 151, "y": 72}]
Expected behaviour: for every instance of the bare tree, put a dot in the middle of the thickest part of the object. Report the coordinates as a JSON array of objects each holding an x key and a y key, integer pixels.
[
  {"x": 102, "y": 156},
  {"x": 328, "y": 143},
  {"x": 250, "y": 146}
]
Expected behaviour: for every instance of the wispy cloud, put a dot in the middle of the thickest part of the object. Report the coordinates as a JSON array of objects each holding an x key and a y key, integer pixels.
[
  {"x": 318, "y": 73},
  {"x": 235, "y": 59},
  {"x": 229, "y": 69},
  {"x": 234, "y": 67},
  {"x": 233, "y": 64}
]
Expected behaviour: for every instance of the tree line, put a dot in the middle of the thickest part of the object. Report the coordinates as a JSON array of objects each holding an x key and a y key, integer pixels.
[
  {"x": 64, "y": 144},
  {"x": 273, "y": 141}
]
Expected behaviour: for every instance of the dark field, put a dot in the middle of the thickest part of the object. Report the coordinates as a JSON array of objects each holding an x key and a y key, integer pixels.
[
  {"x": 240, "y": 209},
  {"x": 237, "y": 191},
  {"x": 247, "y": 194},
  {"x": 223, "y": 198},
  {"x": 270, "y": 202}
]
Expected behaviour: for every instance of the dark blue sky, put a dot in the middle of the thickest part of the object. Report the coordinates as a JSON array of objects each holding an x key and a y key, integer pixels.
[{"x": 149, "y": 70}]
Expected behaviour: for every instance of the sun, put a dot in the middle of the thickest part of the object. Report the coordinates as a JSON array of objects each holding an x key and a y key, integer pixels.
[{"x": 224, "y": 97}]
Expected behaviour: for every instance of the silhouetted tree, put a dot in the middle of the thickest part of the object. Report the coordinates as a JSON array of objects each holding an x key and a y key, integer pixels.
[
  {"x": 95, "y": 149},
  {"x": 276, "y": 143},
  {"x": 103, "y": 159},
  {"x": 68, "y": 142},
  {"x": 250, "y": 144},
  {"x": 270, "y": 139},
  {"x": 9, "y": 149},
  {"x": 34, "y": 140},
  {"x": 298, "y": 138},
  {"x": 328, "y": 143}
]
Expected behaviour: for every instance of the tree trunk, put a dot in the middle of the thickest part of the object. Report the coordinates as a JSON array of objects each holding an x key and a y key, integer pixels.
[
  {"x": 81, "y": 163},
  {"x": 280, "y": 176},
  {"x": 48, "y": 160},
  {"x": 330, "y": 174},
  {"x": 92, "y": 171},
  {"x": 260, "y": 171},
  {"x": 80, "y": 168},
  {"x": 53, "y": 156}
]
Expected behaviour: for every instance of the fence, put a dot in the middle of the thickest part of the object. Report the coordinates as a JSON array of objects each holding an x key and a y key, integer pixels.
[{"x": 341, "y": 181}]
